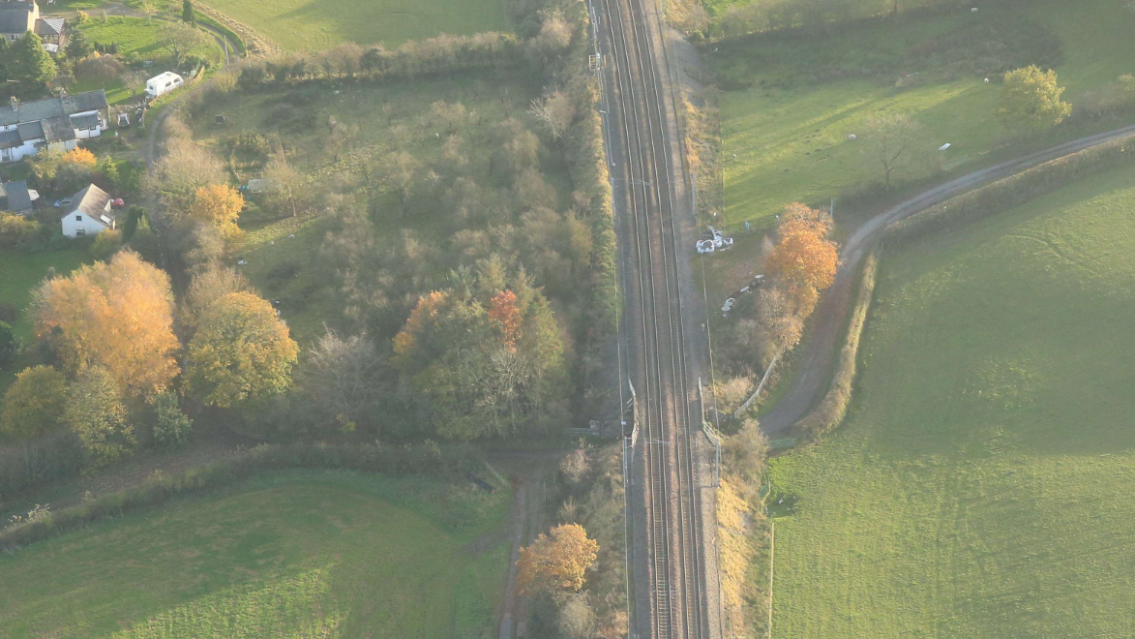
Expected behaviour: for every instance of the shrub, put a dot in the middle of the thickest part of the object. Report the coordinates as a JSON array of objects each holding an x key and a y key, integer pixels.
[
  {"x": 106, "y": 244},
  {"x": 833, "y": 407},
  {"x": 16, "y": 231},
  {"x": 171, "y": 426}
]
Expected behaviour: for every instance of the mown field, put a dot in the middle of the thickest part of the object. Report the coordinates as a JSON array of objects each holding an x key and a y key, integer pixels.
[
  {"x": 299, "y": 554},
  {"x": 309, "y": 25},
  {"x": 981, "y": 484},
  {"x": 790, "y": 129},
  {"x": 382, "y": 119}
]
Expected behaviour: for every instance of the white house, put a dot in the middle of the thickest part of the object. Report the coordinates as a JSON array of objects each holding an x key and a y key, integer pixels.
[
  {"x": 89, "y": 213},
  {"x": 18, "y": 17},
  {"x": 56, "y": 123},
  {"x": 162, "y": 84}
]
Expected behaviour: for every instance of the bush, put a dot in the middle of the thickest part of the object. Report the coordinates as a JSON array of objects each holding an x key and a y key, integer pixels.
[
  {"x": 171, "y": 426},
  {"x": 106, "y": 244},
  {"x": 48, "y": 459},
  {"x": 251, "y": 145},
  {"x": 833, "y": 407},
  {"x": 16, "y": 231}
]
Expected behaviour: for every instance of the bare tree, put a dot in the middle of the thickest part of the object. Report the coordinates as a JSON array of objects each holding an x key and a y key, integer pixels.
[
  {"x": 148, "y": 9},
  {"x": 453, "y": 114},
  {"x": 185, "y": 167},
  {"x": 342, "y": 376},
  {"x": 577, "y": 618},
  {"x": 179, "y": 38},
  {"x": 555, "y": 111},
  {"x": 778, "y": 321},
  {"x": 894, "y": 139},
  {"x": 286, "y": 181},
  {"x": 575, "y": 465}
]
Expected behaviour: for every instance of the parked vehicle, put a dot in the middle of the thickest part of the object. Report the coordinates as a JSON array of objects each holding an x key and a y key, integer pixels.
[{"x": 162, "y": 84}]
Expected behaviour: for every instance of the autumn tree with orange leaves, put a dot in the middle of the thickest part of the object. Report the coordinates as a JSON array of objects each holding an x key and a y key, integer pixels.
[
  {"x": 804, "y": 260},
  {"x": 118, "y": 315},
  {"x": 505, "y": 317},
  {"x": 220, "y": 206},
  {"x": 557, "y": 561}
]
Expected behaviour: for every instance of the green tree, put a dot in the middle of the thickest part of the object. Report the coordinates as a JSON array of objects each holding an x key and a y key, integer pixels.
[
  {"x": 1030, "y": 101},
  {"x": 171, "y": 426},
  {"x": 241, "y": 352},
  {"x": 107, "y": 171},
  {"x": 77, "y": 45},
  {"x": 187, "y": 13},
  {"x": 29, "y": 64},
  {"x": 34, "y": 403},
  {"x": 96, "y": 413},
  {"x": 4, "y": 60},
  {"x": 130, "y": 226},
  {"x": 8, "y": 344}
]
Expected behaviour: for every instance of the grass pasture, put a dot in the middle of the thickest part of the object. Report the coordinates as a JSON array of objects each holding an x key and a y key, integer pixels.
[
  {"x": 383, "y": 118},
  {"x": 790, "y": 129},
  {"x": 981, "y": 484},
  {"x": 309, "y": 25},
  {"x": 298, "y": 554}
]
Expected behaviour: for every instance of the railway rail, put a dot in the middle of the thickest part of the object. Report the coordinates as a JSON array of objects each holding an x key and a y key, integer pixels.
[{"x": 640, "y": 128}]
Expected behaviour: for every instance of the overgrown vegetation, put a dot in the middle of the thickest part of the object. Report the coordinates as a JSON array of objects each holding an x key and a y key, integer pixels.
[{"x": 589, "y": 492}]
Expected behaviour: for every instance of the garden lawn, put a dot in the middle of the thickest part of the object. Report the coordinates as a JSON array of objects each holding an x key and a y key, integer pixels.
[
  {"x": 790, "y": 131},
  {"x": 981, "y": 486},
  {"x": 310, "y": 25},
  {"x": 298, "y": 554},
  {"x": 137, "y": 40},
  {"x": 20, "y": 274}
]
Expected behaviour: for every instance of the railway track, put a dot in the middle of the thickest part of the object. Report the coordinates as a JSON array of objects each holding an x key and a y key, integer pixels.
[{"x": 640, "y": 129}]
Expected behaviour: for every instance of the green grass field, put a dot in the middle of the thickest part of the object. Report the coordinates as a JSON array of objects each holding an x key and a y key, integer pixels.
[
  {"x": 981, "y": 486},
  {"x": 301, "y": 554},
  {"x": 790, "y": 131},
  {"x": 309, "y": 25},
  {"x": 20, "y": 274},
  {"x": 298, "y": 117}
]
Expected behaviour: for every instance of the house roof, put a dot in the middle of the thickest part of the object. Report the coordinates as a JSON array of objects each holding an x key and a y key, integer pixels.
[
  {"x": 58, "y": 129},
  {"x": 17, "y": 195},
  {"x": 93, "y": 202},
  {"x": 49, "y": 26},
  {"x": 53, "y": 107},
  {"x": 85, "y": 121},
  {"x": 30, "y": 131},
  {"x": 15, "y": 17},
  {"x": 10, "y": 139}
]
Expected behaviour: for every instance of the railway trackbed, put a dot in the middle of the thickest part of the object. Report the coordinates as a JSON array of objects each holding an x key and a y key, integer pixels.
[{"x": 640, "y": 124}]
